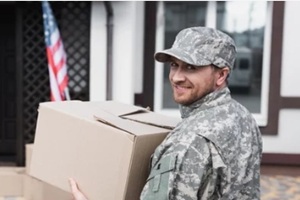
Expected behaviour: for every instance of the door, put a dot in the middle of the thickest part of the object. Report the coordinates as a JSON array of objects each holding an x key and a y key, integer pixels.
[{"x": 7, "y": 83}]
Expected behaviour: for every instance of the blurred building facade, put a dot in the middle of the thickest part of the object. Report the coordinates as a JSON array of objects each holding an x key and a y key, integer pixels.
[{"x": 264, "y": 80}]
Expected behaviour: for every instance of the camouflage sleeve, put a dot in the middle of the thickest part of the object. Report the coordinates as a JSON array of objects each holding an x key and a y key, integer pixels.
[
  {"x": 185, "y": 174},
  {"x": 196, "y": 174}
]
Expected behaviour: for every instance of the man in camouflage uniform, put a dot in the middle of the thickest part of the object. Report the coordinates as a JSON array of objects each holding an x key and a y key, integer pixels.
[{"x": 215, "y": 152}]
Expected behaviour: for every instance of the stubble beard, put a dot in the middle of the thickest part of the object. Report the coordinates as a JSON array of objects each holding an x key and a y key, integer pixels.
[{"x": 191, "y": 98}]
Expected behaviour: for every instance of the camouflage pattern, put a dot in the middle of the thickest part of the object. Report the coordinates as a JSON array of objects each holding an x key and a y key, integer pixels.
[
  {"x": 201, "y": 46},
  {"x": 213, "y": 153}
]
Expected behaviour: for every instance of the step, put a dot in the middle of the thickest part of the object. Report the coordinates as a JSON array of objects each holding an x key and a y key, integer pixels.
[
  {"x": 12, "y": 198},
  {"x": 11, "y": 181}
]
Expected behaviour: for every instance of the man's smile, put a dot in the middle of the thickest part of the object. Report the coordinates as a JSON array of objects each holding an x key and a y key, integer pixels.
[{"x": 180, "y": 89}]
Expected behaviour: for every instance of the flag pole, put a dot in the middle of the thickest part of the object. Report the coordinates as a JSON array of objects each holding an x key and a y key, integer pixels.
[{"x": 67, "y": 95}]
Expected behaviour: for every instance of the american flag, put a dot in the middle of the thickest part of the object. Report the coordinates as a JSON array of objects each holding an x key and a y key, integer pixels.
[{"x": 56, "y": 56}]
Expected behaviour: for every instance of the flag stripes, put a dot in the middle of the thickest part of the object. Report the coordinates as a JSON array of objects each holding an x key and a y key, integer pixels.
[{"x": 57, "y": 58}]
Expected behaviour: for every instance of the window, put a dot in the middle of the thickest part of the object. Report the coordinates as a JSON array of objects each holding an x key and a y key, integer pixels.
[{"x": 248, "y": 23}]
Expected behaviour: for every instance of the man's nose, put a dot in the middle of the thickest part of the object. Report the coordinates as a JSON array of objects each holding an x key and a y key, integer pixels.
[{"x": 177, "y": 75}]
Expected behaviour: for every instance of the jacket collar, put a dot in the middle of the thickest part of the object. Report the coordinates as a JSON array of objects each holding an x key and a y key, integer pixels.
[{"x": 212, "y": 99}]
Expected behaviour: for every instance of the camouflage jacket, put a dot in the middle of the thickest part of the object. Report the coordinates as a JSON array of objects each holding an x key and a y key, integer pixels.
[{"x": 213, "y": 153}]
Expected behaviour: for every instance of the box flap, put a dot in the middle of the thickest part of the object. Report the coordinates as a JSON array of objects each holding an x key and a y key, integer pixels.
[
  {"x": 117, "y": 108},
  {"x": 154, "y": 119},
  {"x": 74, "y": 107},
  {"x": 134, "y": 113},
  {"x": 129, "y": 126},
  {"x": 108, "y": 113}
]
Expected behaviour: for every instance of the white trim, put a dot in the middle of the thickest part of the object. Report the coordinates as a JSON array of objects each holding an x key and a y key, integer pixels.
[
  {"x": 98, "y": 52},
  {"x": 138, "y": 43},
  {"x": 159, "y": 67},
  {"x": 290, "y": 69},
  {"x": 262, "y": 117},
  {"x": 159, "y": 45},
  {"x": 211, "y": 14}
]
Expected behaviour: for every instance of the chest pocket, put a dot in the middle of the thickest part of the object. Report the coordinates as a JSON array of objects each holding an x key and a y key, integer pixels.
[{"x": 161, "y": 179}]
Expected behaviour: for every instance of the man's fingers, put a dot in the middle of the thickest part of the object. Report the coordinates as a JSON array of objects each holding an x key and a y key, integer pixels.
[
  {"x": 75, "y": 191},
  {"x": 73, "y": 185}
]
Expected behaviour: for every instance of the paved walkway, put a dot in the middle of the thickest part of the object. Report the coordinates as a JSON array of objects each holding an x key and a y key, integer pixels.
[
  {"x": 273, "y": 187},
  {"x": 280, "y": 187}
]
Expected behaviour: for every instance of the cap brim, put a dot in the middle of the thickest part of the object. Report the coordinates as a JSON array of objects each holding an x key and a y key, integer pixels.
[{"x": 166, "y": 56}]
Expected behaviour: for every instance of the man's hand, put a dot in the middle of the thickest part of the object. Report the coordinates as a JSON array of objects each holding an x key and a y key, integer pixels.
[{"x": 77, "y": 194}]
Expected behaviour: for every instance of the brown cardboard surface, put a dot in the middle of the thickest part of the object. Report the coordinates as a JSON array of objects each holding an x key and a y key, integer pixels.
[
  {"x": 132, "y": 127},
  {"x": 139, "y": 172},
  {"x": 28, "y": 153},
  {"x": 109, "y": 158},
  {"x": 37, "y": 190},
  {"x": 116, "y": 108},
  {"x": 155, "y": 119}
]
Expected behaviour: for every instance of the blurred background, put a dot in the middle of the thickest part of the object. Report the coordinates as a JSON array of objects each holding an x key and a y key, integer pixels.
[{"x": 107, "y": 54}]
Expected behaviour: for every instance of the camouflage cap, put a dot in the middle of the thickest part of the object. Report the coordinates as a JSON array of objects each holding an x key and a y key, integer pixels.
[{"x": 201, "y": 46}]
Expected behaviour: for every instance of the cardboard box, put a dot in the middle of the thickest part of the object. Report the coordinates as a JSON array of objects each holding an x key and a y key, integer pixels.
[
  {"x": 105, "y": 146},
  {"x": 38, "y": 190},
  {"x": 28, "y": 154}
]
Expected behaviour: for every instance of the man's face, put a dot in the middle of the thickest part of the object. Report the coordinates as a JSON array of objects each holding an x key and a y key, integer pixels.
[{"x": 190, "y": 83}]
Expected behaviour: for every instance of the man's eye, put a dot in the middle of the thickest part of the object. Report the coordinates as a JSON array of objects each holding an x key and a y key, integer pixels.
[
  {"x": 172, "y": 64},
  {"x": 190, "y": 67}
]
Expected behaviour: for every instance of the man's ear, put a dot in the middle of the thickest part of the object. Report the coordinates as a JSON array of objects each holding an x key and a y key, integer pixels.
[{"x": 222, "y": 75}]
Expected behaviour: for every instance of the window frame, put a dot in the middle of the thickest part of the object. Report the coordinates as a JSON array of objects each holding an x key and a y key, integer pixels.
[{"x": 211, "y": 14}]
